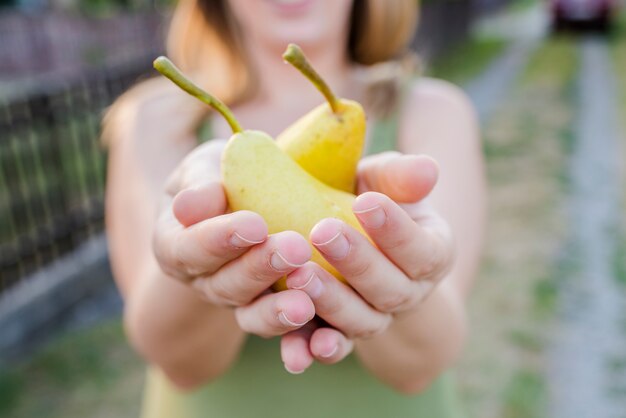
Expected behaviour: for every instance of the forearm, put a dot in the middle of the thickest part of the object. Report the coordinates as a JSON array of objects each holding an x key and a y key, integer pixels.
[
  {"x": 419, "y": 344},
  {"x": 192, "y": 341}
]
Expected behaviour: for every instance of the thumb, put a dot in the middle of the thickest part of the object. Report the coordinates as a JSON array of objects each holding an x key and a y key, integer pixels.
[
  {"x": 196, "y": 185},
  {"x": 404, "y": 178},
  {"x": 197, "y": 204}
]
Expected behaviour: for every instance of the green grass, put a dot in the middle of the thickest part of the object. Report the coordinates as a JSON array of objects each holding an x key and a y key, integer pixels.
[
  {"x": 90, "y": 373},
  {"x": 524, "y": 395},
  {"x": 554, "y": 65},
  {"x": 466, "y": 60},
  {"x": 619, "y": 260},
  {"x": 512, "y": 305},
  {"x": 544, "y": 295},
  {"x": 618, "y": 46},
  {"x": 521, "y": 5},
  {"x": 618, "y": 49}
]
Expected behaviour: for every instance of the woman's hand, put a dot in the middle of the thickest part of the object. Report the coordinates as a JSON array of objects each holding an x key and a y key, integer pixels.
[
  {"x": 228, "y": 257},
  {"x": 412, "y": 253}
]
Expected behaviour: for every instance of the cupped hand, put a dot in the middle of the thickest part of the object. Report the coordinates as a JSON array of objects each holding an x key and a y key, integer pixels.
[
  {"x": 412, "y": 253},
  {"x": 228, "y": 257}
]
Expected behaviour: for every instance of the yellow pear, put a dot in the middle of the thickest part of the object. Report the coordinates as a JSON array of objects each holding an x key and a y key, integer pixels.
[
  {"x": 328, "y": 141},
  {"x": 258, "y": 176}
]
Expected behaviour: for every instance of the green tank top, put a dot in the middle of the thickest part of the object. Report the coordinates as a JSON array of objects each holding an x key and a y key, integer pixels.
[{"x": 258, "y": 385}]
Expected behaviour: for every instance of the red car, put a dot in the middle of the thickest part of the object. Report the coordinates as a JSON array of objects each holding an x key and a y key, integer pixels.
[{"x": 597, "y": 14}]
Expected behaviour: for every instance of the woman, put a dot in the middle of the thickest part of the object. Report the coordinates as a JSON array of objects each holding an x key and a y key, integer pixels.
[{"x": 195, "y": 277}]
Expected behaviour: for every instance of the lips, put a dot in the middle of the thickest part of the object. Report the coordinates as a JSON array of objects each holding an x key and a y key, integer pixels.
[{"x": 291, "y": 7}]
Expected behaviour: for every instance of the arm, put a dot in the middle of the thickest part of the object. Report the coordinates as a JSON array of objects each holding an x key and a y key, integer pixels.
[
  {"x": 438, "y": 121},
  {"x": 407, "y": 321},
  {"x": 165, "y": 259},
  {"x": 142, "y": 157}
]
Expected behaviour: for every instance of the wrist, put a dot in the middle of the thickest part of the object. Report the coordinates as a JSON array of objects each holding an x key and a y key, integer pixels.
[
  {"x": 169, "y": 325},
  {"x": 437, "y": 327},
  {"x": 420, "y": 343}
]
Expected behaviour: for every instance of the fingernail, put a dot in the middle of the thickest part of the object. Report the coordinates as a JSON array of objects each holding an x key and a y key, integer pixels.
[
  {"x": 313, "y": 286},
  {"x": 337, "y": 247},
  {"x": 293, "y": 371},
  {"x": 238, "y": 241},
  {"x": 331, "y": 352},
  {"x": 287, "y": 322},
  {"x": 374, "y": 217},
  {"x": 280, "y": 263}
]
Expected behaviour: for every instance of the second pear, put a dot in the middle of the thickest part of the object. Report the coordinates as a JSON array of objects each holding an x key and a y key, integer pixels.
[{"x": 328, "y": 141}]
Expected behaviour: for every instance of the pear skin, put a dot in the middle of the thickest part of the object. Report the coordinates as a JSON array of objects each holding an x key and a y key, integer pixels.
[
  {"x": 328, "y": 145},
  {"x": 328, "y": 141},
  {"x": 258, "y": 176}
]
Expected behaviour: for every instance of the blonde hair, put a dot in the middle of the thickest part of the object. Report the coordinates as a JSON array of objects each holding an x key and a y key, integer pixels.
[{"x": 204, "y": 41}]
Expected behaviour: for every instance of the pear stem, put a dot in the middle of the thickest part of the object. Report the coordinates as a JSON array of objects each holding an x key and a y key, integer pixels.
[
  {"x": 294, "y": 56},
  {"x": 169, "y": 70}
]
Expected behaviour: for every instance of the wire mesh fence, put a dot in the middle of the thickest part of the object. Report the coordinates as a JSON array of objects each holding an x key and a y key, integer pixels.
[
  {"x": 52, "y": 169},
  {"x": 68, "y": 44}
]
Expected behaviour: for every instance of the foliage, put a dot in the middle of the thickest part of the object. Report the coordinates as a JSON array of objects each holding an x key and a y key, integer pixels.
[{"x": 467, "y": 60}]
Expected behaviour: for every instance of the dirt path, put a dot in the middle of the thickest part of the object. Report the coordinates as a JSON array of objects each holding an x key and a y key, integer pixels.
[
  {"x": 525, "y": 31},
  {"x": 588, "y": 342}
]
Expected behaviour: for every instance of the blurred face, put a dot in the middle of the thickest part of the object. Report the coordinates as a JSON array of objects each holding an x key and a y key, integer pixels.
[{"x": 306, "y": 22}]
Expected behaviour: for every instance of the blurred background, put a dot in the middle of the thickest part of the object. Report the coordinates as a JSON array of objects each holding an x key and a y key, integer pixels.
[{"x": 548, "y": 312}]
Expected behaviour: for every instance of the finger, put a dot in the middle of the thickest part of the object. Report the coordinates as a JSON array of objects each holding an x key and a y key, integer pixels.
[
  {"x": 276, "y": 313},
  {"x": 294, "y": 349},
  {"x": 242, "y": 280},
  {"x": 369, "y": 272},
  {"x": 404, "y": 178},
  {"x": 330, "y": 346},
  {"x": 422, "y": 250},
  {"x": 196, "y": 204},
  {"x": 338, "y": 304},
  {"x": 206, "y": 246}
]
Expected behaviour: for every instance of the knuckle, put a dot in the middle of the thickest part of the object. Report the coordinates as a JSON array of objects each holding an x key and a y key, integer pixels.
[
  {"x": 330, "y": 304},
  {"x": 427, "y": 266},
  {"x": 360, "y": 268},
  {"x": 246, "y": 324},
  {"x": 425, "y": 270},
  {"x": 211, "y": 240},
  {"x": 371, "y": 330},
  {"x": 424, "y": 289},
  {"x": 330, "y": 308},
  {"x": 395, "y": 304},
  {"x": 170, "y": 263},
  {"x": 171, "y": 187},
  {"x": 177, "y": 260},
  {"x": 223, "y": 295},
  {"x": 397, "y": 241},
  {"x": 257, "y": 267}
]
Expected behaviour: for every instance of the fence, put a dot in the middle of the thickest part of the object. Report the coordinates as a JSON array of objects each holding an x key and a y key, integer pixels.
[
  {"x": 52, "y": 169},
  {"x": 65, "y": 45}
]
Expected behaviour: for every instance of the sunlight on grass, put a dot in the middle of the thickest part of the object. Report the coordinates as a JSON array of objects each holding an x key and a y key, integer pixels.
[
  {"x": 526, "y": 146},
  {"x": 91, "y": 373},
  {"x": 618, "y": 49},
  {"x": 467, "y": 60}
]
